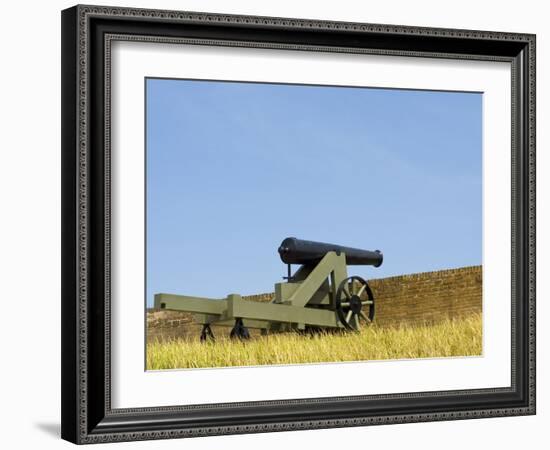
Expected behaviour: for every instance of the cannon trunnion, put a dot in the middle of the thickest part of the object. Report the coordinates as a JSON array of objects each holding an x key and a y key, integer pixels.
[{"x": 318, "y": 296}]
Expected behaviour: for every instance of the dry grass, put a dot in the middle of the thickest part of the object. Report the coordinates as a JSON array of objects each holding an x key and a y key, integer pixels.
[{"x": 451, "y": 338}]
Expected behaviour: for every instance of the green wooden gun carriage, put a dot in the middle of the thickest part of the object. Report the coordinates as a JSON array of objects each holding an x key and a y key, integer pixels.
[{"x": 318, "y": 296}]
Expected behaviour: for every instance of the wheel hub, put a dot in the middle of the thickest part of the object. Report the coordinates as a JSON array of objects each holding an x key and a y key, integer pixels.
[{"x": 355, "y": 304}]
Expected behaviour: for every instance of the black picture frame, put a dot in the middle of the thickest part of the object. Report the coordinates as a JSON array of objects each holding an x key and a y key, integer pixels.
[{"x": 87, "y": 416}]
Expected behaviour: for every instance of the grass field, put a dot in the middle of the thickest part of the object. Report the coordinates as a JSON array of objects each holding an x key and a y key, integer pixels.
[{"x": 450, "y": 338}]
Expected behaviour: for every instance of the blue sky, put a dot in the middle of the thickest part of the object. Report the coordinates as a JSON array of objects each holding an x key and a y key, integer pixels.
[{"x": 234, "y": 168}]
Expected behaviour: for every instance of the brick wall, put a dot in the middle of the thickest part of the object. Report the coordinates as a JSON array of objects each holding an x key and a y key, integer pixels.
[
  {"x": 428, "y": 296},
  {"x": 404, "y": 299},
  {"x": 422, "y": 297}
]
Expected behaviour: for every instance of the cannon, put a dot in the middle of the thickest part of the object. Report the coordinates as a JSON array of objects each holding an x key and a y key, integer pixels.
[{"x": 319, "y": 295}]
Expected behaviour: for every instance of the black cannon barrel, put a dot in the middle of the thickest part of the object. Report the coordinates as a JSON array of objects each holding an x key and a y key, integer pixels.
[{"x": 298, "y": 251}]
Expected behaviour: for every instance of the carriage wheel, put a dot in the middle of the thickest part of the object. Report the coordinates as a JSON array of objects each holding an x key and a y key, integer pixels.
[
  {"x": 239, "y": 331},
  {"x": 206, "y": 333},
  {"x": 354, "y": 303}
]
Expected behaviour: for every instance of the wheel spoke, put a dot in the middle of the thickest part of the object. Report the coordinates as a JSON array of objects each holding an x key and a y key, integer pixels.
[
  {"x": 361, "y": 290},
  {"x": 348, "y": 317},
  {"x": 367, "y": 302},
  {"x": 346, "y": 293},
  {"x": 344, "y": 304},
  {"x": 357, "y": 324},
  {"x": 364, "y": 316}
]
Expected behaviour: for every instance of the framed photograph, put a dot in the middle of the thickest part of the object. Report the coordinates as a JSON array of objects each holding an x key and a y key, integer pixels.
[{"x": 279, "y": 224}]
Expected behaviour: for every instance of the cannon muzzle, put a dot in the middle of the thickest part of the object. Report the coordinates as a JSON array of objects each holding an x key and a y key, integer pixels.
[{"x": 298, "y": 251}]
